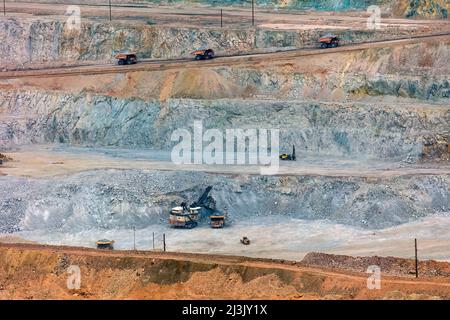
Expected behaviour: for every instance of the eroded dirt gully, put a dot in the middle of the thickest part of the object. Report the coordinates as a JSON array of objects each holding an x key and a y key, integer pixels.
[{"x": 30, "y": 271}]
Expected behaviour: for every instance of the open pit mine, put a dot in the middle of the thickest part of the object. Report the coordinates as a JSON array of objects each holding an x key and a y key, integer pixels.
[{"x": 116, "y": 157}]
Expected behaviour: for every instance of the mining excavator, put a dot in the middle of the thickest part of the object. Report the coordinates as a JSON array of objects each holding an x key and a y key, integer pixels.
[
  {"x": 287, "y": 156},
  {"x": 187, "y": 216}
]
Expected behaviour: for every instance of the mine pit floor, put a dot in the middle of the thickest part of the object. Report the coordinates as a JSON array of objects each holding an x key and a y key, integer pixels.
[
  {"x": 271, "y": 237},
  {"x": 280, "y": 236},
  {"x": 53, "y": 160}
]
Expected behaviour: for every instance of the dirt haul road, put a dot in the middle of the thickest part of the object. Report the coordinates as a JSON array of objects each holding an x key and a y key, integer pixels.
[
  {"x": 40, "y": 272},
  {"x": 159, "y": 65},
  {"x": 198, "y": 15},
  {"x": 45, "y": 161}
]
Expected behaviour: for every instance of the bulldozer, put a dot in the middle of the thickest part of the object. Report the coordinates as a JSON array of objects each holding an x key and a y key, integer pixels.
[
  {"x": 126, "y": 58},
  {"x": 245, "y": 241},
  {"x": 187, "y": 216},
  {"x": 329, "y": 41},
  {"x": 287, "y": 156}
]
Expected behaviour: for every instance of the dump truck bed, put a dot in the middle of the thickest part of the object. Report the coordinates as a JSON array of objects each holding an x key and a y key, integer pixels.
[
  {"x": 124, "y": 55},
  {"x": 198, "y": 52},
  {"x": 326, "y": 39}
]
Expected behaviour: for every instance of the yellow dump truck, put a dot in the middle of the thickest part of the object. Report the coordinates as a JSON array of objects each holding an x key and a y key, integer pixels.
[
  {"x": 329, "y": 41},
  {"x": 105, "y": 244},
  {"x": 126, "y": 58},
  {"x": 203, "y": 54},
  {"x": 217, "y": 221}
]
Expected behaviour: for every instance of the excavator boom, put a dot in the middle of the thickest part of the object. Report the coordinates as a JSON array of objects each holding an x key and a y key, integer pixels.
[{"x": 201, "y": 201}]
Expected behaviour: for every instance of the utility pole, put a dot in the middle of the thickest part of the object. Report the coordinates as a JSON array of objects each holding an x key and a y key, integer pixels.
[
  {"x": 253, "y": 12},
  {"x": 164, "y": 242},
  {"x": 110, "y": 14},
  {"x": 153, "y": 241},
  {"x": 134, "y": 237},
  {"x": 4, "y": 8},
  {"x": 417, "y": 263},
  {"x": 221, "y": 18}
]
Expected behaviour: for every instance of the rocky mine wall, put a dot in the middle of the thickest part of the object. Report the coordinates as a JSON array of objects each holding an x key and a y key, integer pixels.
[
  {"x": 38, "y": 272},
  {"x": 316, "y": 107},
  {"x": 23, "y": 272},
  {"x": 24, "y": 42},
  {"x": 418, "y": 71},
  {"x": 105, "y": 199},
  {"x": 428, "y": 9},
  {"x": 339, "y": 129}
]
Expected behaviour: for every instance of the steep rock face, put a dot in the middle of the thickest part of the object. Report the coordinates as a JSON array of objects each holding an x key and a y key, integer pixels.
[
  {"x": 357, "y": 129},
  {"x": 428, "y": 9},
  {"x": 319, "y": 115},
  {"x": 123, "y": 198},
  {"x": 418, "y": 71},
  {"x": 41, "y": 272},
  {"x": 48, "y": 41}
]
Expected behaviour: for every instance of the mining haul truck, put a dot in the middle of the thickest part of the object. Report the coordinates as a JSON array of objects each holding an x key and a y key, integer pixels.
[
  {"x": 203, "y": 54},
  {"x": 105, "y": 244},
  {"x": 217, "y": 221},
  {"x": 329, "y": 41},
  {"x": 126, "y": 58}
]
